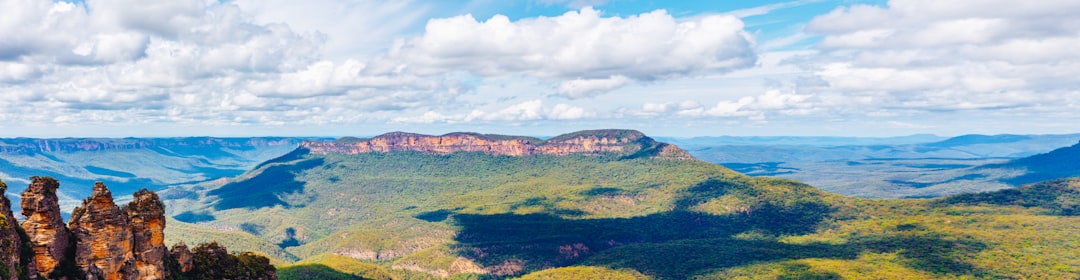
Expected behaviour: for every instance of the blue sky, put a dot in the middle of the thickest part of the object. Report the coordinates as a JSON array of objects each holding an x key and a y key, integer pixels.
[{"x": 118, "y": 68}]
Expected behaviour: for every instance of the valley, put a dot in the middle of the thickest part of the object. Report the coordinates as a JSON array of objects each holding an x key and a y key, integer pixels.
[
  {"x": 539, "y": 140},
  {"x": 600, "y": 203},
  {"x": 130, "y": 164},
  {"x": 621, "y": 207},
  {"x": 917, "y": 166}
]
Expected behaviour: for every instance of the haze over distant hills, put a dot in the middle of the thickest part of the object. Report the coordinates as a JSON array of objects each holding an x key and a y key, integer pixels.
[
  {"x": 128, "y": 164},
  {"x": 1059, "y": 163},
  {"x": 913, "y": 166}
]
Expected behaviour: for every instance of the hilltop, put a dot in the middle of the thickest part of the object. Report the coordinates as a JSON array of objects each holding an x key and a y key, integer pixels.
[
  {"x": 595, "y": 142},
  {"x": 405, "y": 205}
]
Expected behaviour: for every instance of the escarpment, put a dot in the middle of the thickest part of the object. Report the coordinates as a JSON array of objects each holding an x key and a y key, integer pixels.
[
  {"x": 590, "y": 142},
  {"x": 101, "y": 241}
]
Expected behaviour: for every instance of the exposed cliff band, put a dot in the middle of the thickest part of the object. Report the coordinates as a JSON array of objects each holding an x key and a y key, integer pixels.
[{"x": 592, "y": 142}]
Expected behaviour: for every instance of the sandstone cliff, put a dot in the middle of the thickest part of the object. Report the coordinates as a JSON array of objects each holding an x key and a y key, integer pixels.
[
  {"x": 627, "y": 143},
  {"x": 103, "y": 241},
  {"x": 147, "y": 217},
  {"x": 103, "y": 237},
  {"x": 183, "y": 257},
  {"x": 49, "y": 238},
  {"x": 12, "y": 264}
]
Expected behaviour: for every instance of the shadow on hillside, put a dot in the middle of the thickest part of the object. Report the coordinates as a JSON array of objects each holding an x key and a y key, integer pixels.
[
  {"x": 314, "y": 271},
  {"x": 1056, "y": 197},
  {"x": 680, "y": 243},
  {"x": 263, "y": 189}
]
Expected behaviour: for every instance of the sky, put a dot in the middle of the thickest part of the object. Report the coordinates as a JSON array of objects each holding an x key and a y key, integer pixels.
[{"x": 120, "y": 68}]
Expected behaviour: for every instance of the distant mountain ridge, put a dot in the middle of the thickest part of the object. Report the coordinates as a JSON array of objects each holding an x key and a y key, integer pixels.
[
  {"x": 912, "y": 166},
  {"x": 1060, "y": 163},
  {"x": 611, "y": 141},
  {"x": 129, "y": 164},
  {"x": 68, "y": 145}
]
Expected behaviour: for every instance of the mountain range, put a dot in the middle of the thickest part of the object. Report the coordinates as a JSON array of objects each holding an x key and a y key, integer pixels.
[
  {"x": 603, "y": 204},
  {"x": 596, "y": 204},
  {"x": 130, "y": 164},
  {"x": 913, "y": 166}
]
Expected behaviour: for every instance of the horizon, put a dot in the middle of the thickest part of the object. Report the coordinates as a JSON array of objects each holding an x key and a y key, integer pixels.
[
  {"x": 541, "y": 136},
  {"x": 827, "y": 68}
]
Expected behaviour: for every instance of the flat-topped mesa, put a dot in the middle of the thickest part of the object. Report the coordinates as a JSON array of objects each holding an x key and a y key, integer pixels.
[
  {"x": 590, "y": 142},
  {"x": 445, "y": 144}
]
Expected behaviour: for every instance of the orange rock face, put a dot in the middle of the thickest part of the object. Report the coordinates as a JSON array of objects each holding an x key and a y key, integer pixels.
[
  {"x": 10, "y": 250},
  {"x": 147, "y": 217},
  {"x": 446, "y": 144},
  {"x": 49, "y": 237},
  {"x": 108, "y": 242},
  {"x": 103, "y": 237},
  {"x": 183, "y": 256},
  {"x": 597, "y": 142}
]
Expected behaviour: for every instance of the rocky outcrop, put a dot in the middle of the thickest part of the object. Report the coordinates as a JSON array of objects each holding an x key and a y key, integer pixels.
[
  {"x": 103, "y": 241},
  {"x": 49, "y": 238},
  {"x": 103, "y": 235},
  {"x": 147, "y": 217},
  {"x": 591, "y": 142},
  {"x": 183, "y": 257},
  {"x": 11, "y": 260}
]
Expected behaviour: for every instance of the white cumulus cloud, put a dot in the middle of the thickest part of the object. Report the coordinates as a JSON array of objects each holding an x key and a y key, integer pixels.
[
  {"x": 579, "y": 88},
  {"x": 925, "y": 55},
  {"x": 584, "y": 51}
]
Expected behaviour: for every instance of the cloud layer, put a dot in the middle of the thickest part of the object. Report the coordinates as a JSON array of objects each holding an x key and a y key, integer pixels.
[
  {"x": 952, "y": 55},
  {"x": 587, "y": 53},
  {"x": 193, "y": 61},
  {"x": 911, "y": 63}
]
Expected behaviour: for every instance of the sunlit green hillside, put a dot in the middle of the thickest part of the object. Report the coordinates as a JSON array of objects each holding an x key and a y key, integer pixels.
[{"x": 410, "y": 215}]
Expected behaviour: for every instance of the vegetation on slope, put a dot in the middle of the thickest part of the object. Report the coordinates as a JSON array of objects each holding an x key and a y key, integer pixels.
[
  {"x": 330, "y": 266},
  {"x": 1057, "y": 197},
  {"x": 1059, "y": 163},
  {"x": 469, "y": 213}
]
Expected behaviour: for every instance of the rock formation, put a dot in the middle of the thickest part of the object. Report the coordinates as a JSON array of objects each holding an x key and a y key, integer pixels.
[
  {"x": 592, "y": 142},
  {"x": 11, "y": 261},
  {"x": 147, "y": 217},
  {"x": 103, "y": 237},
  {"x": 103, "y": 241},
  {"x": 183, "y": 256},
  {"x": 49, "y": 238}
]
